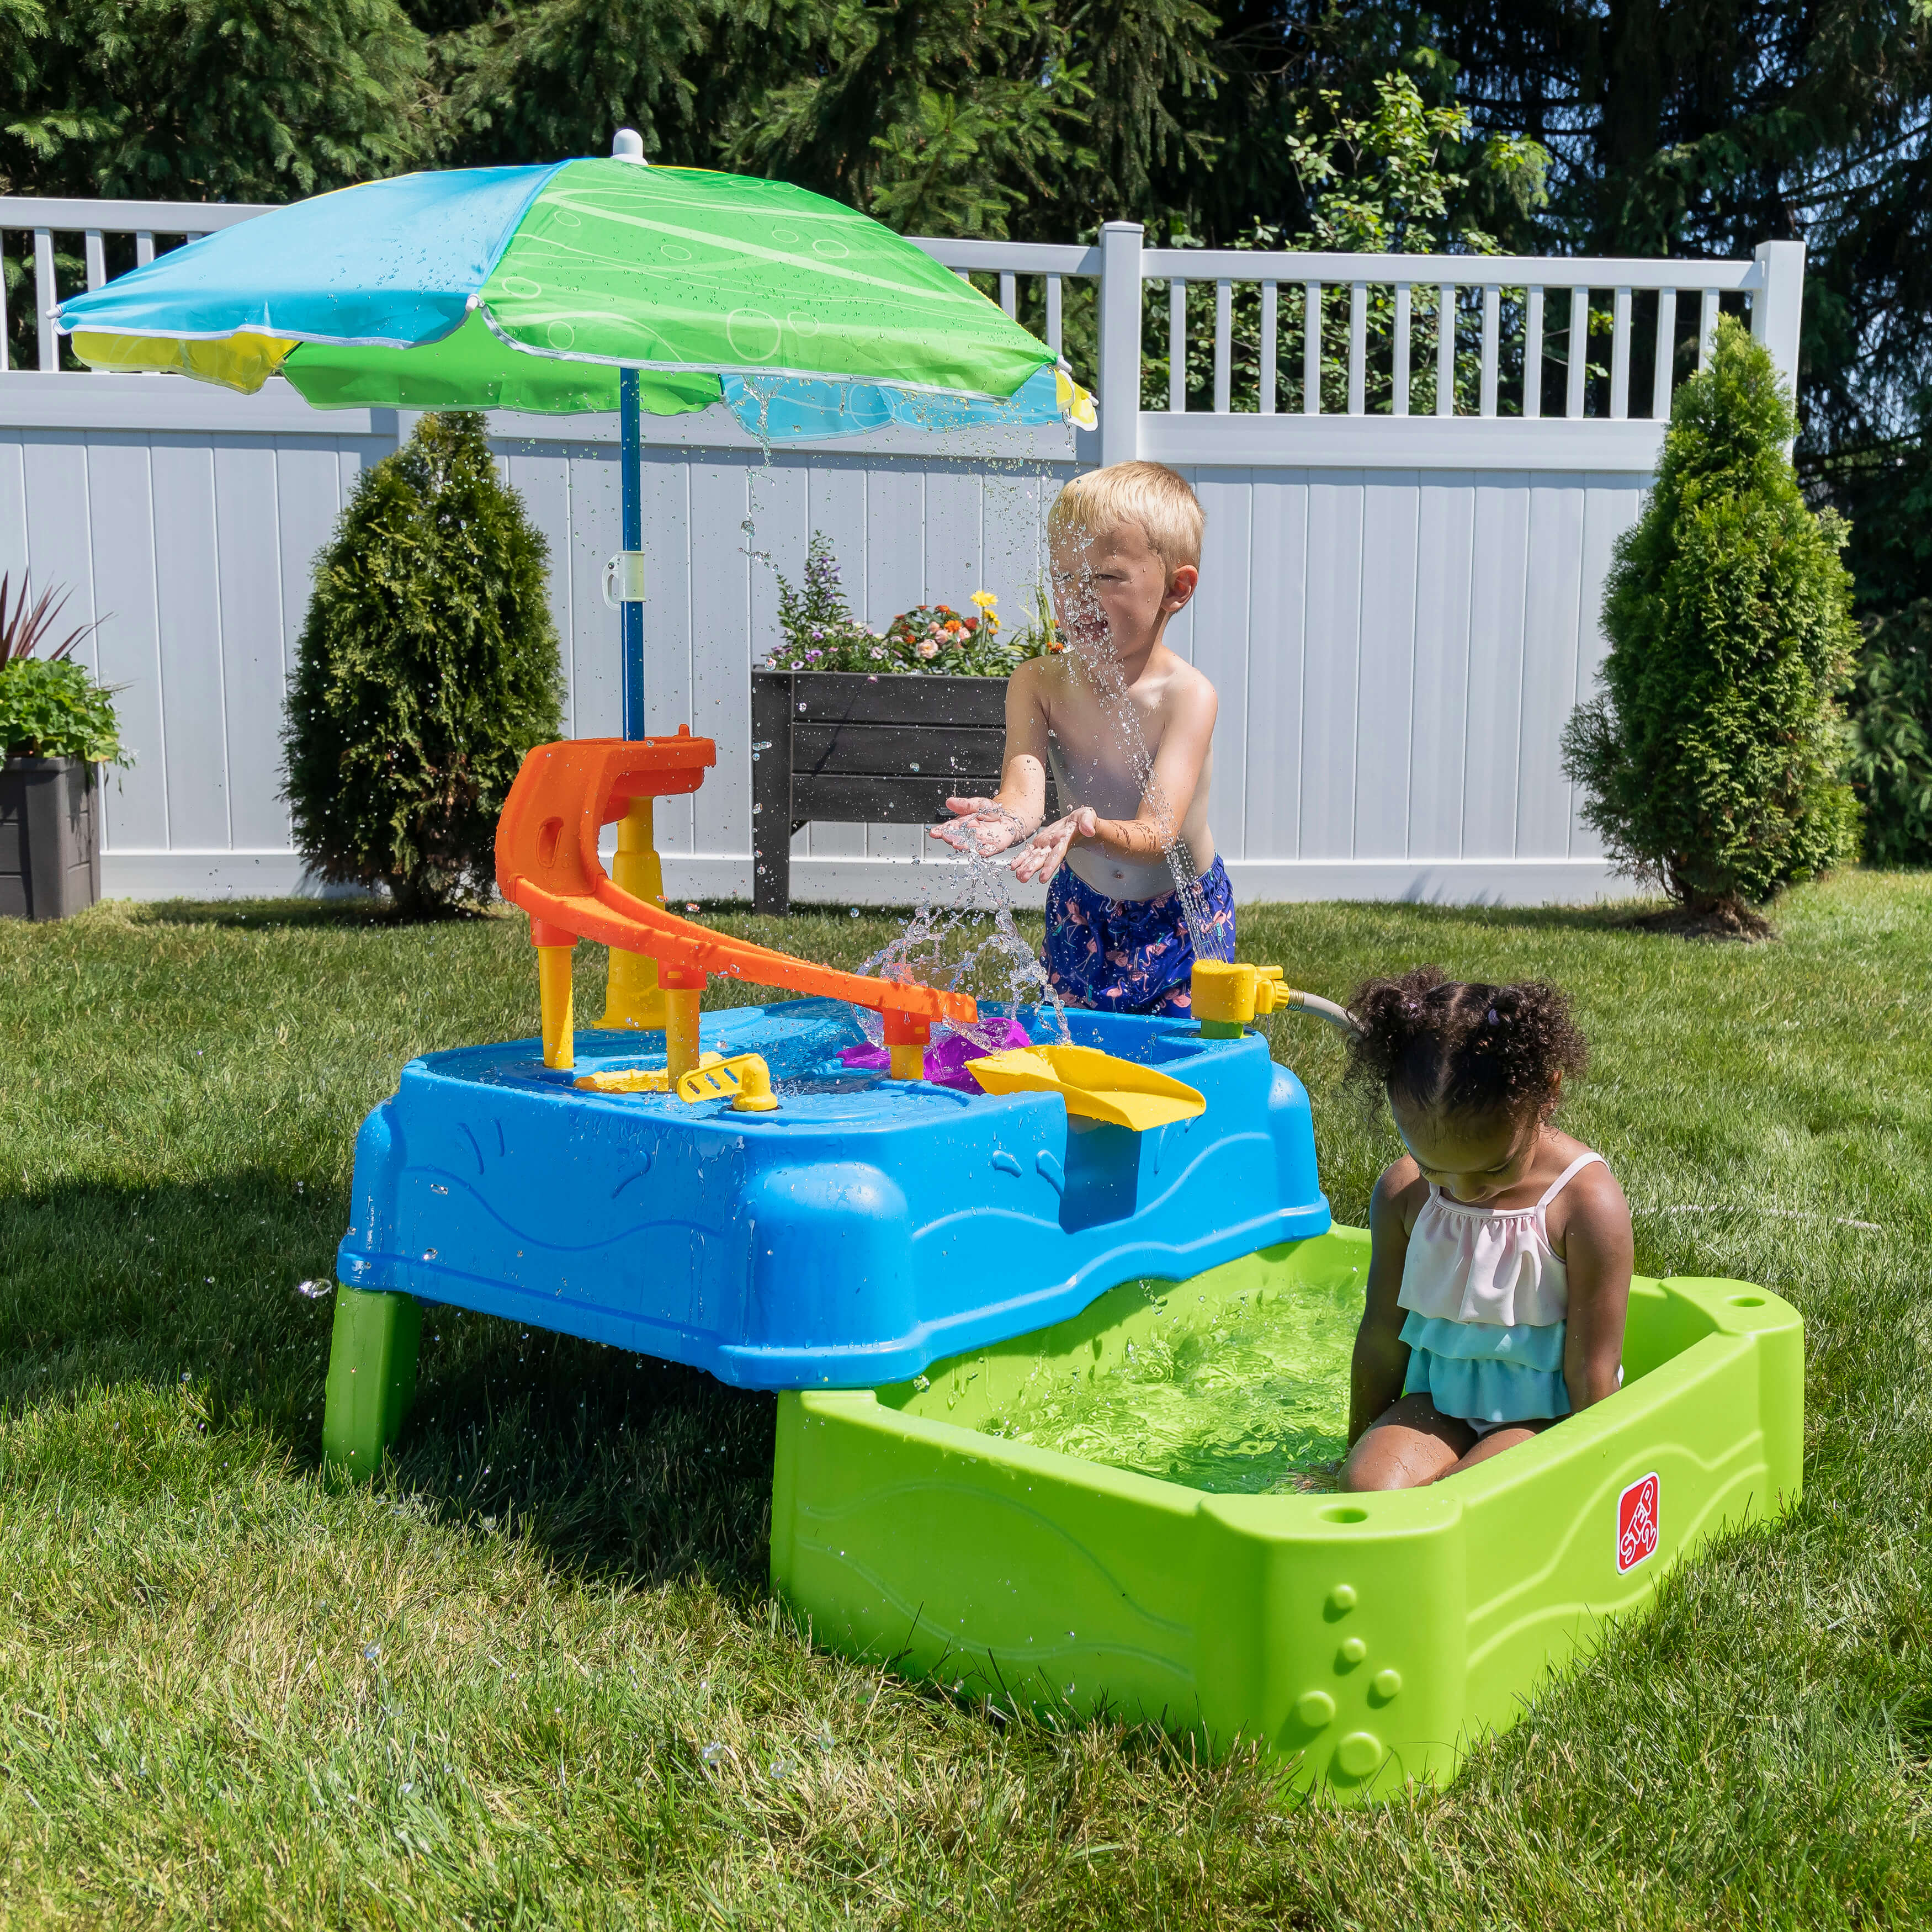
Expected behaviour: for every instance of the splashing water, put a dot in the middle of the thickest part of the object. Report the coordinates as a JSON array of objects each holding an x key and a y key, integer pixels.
[{"x": 961, "y": 938}]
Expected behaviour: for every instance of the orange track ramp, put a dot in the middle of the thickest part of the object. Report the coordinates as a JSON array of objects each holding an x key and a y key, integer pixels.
[{"x": 547, "y": 863}]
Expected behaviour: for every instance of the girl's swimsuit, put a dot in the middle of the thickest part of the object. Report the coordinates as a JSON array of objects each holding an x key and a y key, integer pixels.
[{"x": 1489, "y": 1301}]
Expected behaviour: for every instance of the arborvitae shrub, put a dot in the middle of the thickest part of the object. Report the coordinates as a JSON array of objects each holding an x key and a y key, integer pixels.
[
  {"x": 428, "y": 666},
  {"x": 1714, "y": 758}
]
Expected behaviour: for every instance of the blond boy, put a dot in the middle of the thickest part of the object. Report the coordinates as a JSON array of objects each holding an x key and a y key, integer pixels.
[{"x": 1128, "y": 728}]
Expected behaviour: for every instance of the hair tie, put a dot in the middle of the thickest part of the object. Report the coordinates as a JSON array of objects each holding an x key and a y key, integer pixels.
[{"x": 1493, "y": 1020}]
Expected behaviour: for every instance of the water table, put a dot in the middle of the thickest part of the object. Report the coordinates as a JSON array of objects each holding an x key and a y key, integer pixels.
[{"x": 914, "y": 1265}]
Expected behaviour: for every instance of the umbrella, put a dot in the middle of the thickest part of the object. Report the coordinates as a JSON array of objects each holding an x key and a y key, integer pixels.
[
  {"x": 585, "y": 285},
  {"x": 589, "y": 284}
]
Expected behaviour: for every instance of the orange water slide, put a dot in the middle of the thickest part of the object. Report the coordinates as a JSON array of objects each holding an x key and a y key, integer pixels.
[{"x": 547, "y": 863}]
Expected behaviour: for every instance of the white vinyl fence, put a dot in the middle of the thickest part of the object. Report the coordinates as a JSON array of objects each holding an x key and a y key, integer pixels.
[{"x": 1406, "y": 544}]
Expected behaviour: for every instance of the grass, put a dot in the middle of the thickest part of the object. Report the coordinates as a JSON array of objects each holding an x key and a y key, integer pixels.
[{"x": 534, "y": 1677}]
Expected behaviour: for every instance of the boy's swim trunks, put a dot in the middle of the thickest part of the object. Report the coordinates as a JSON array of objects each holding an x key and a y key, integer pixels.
[{"x": 1129, "y": 955}]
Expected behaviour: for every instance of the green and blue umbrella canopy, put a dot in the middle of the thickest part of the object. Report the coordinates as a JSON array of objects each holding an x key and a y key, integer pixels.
[{"x": 533, "y": 288}]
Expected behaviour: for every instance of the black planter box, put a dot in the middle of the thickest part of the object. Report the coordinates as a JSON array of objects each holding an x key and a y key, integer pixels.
[
  {"x": 844, "y": 748},
  {"x": 50, "y": 838}
]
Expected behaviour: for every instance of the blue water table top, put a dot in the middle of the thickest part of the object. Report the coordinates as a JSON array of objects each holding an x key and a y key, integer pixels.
[{"x": 862, "y": 1229}]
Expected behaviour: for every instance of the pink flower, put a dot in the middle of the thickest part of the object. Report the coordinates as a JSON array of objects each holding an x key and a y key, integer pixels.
[{"x": 926, "y": 648}]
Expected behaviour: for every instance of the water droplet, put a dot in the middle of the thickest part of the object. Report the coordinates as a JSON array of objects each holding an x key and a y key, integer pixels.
[
  {"x": 922, "y": 1381},
  {"x": 855, "y": 914},
  {"x": 370, "y": 1652},
  {"x": 711, "y": 1753},
  {"x": 313, "y": 1291}
]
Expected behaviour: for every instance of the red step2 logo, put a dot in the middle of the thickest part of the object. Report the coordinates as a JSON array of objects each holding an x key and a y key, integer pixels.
[{"x": 1636, "y": 1522}]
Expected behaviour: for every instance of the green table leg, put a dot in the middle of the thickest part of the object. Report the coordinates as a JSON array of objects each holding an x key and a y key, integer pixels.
[{"x": 372, "y": 1377}]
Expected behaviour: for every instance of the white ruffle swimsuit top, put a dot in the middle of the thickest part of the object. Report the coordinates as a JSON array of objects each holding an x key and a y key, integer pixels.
[{"x": 1488, "y": 1303}]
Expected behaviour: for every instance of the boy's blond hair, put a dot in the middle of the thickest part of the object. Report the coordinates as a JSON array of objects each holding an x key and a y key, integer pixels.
[{"x": 1098, "y": 502}]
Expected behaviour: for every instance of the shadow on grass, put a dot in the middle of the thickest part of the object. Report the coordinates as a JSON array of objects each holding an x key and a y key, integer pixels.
[
  {"x": 613, "y": 1465},
  {"x": 322, "y": 915}
]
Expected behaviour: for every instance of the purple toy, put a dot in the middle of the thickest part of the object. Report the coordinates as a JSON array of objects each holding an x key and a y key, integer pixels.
[{"x": 945, "y": 1064}]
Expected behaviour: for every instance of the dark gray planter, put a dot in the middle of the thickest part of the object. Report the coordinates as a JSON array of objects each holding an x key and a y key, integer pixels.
[
  {"x": 844, "y": 748},
  {"x": 50, "y": 838}
]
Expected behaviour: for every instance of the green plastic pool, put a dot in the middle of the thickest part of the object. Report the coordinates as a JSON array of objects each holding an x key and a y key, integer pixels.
[{"x": 1365, "y": 1639}]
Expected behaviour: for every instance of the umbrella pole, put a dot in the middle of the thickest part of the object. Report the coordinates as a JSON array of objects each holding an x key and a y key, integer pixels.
[
  {"x": 632, "y": 997},
  {"x": 633, "y": 610}
]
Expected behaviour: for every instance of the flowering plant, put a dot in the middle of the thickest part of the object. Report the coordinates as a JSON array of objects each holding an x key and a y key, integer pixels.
[
  {"x": 818, "y": 632},
  {"x": 936, "y": 638}
]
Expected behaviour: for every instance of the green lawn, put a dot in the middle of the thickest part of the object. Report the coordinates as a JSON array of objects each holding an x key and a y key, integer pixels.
[{"x": 536, "y": 1676}]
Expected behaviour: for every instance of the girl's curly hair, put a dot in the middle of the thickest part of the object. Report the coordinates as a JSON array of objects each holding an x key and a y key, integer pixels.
[{"x": 1453, "y": 1047}]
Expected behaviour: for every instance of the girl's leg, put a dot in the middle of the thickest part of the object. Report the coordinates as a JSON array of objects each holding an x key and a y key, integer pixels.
[
  {"x": 1498, "y": 1440},
  {"x": 1410, "y": 1444}
]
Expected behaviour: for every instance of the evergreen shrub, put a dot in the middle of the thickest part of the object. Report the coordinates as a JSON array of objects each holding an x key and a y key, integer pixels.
[
  {"x": 1891, "y": 707},
  {"x": 1713, "y": 760},
  {"x": 427, "y": 667}
]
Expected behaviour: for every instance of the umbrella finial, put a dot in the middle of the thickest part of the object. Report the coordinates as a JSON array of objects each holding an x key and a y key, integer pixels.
[{"x": 628, "y": 145}]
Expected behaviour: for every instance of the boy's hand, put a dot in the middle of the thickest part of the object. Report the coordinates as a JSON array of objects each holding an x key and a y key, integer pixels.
[
  {"x": 1048, "y": 846},
  {"x": 983, "y": 825}
]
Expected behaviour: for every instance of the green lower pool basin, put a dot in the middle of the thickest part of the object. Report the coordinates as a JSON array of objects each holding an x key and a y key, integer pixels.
[{"x": 1364, "y": 1639}]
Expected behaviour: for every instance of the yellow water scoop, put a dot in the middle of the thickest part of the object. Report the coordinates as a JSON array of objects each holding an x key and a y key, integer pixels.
[
  {"x": 637, "y": 1079},
  {"x": 1095, "y": 1085},
  {"x": 745, "y": 1080}
]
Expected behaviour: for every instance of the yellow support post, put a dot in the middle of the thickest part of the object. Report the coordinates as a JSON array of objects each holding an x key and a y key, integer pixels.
[
  {"x": 906, "y": 1039},
  {"x": 681, "y": 1007},
  {"x": 554, "y": 991},
  {"x": 632, "y": 997}
]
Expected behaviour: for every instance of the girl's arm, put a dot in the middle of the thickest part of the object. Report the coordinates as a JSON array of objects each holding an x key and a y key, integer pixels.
[
  {"x": 1381, "y": 1357},
  {"x": 1144, "y": 837},
  {"x": 1598, "y": 1251},
  {"x": 1014, "y": 814}
]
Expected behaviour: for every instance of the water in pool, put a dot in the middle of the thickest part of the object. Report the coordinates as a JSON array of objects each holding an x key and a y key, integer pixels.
[{"x": 1240, "y": 1401}]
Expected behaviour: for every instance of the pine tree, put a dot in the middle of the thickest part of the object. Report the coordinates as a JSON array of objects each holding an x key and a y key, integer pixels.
[
  {"x": 427, "y": 667},
  {"x": 1714, "y": 758}
]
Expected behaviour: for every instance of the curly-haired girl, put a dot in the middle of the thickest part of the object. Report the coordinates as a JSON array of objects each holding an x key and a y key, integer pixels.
[{"x": 1499, "y": 1273}]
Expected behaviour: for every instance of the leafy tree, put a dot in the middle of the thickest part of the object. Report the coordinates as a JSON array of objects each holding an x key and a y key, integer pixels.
[
  {"x": 1890, "y": 708},
  {"x": 207, "y": 100},
  {"x": 541, "y": 82},
  {"x": 1713, "y": 758},
  {"x": 427, "y": 667},
  {"x": 1393, "y": 180}
]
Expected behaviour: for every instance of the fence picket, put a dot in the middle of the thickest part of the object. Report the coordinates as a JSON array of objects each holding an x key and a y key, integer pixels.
[
  {"x": 1053, "y": 320},
  {"x": 1269, "y": 293},
  {"x": 1177, "y": 346},
  {"x": 1492, "y": 317},
  {"x": 45, "y": 296},
  {"x": 1398, "y": 392},
  {"x": 1311, "y": 349},
  {"x": 1578, "y": 352},
  {"x": 1445, "y": 349},
  {"x": 1620, "y": 334},
  {"x": 1666, "y": 353},
  {"x": 1224, "y": 313},
  {"x": 1358, "y": 347},
  {"x": 1707, "y": 324},
  {"x": 1009, "y": 293},
  {"x": 1532, "y": 355}
]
